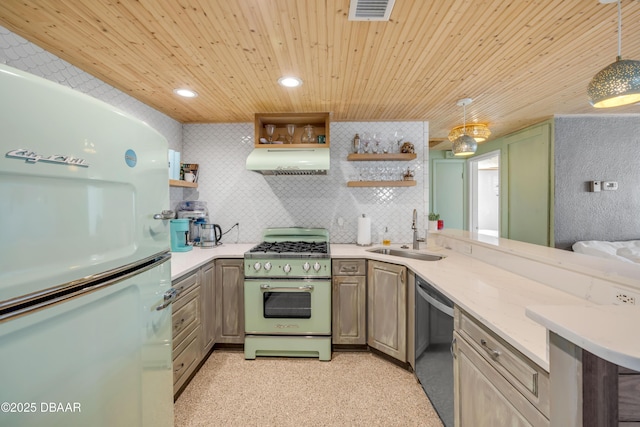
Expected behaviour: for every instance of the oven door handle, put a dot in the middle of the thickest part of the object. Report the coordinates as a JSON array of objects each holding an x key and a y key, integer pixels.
[{"x": 266, "y": 287}]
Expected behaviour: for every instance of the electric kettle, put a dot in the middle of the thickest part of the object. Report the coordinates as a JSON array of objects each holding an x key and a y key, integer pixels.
[{"x": 210, "y": 235}]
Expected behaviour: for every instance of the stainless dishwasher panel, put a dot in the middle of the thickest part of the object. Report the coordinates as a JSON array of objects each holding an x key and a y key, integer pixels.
[{"x": 434, "y": 361}]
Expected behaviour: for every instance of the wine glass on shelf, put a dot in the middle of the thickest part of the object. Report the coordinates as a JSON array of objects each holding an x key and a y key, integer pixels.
[
  {"x": 398, "y": 136},
  {"x": 365, "y": 142},
  {"x": 291, "y": 130},
  {"x": 270, "y": 129}
]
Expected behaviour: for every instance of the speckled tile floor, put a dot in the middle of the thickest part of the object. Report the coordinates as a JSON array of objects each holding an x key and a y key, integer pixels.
[{"x": 354, "y": 389}]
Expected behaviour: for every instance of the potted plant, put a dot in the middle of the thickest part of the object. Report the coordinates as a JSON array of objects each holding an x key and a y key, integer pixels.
[{"x": 433, "y": 221}]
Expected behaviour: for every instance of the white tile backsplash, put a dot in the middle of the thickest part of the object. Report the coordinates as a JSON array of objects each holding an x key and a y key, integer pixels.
[{"x": 234, "y": 194}]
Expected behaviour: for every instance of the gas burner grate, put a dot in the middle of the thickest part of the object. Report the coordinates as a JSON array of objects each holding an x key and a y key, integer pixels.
[{"x": 291, "y": 247}]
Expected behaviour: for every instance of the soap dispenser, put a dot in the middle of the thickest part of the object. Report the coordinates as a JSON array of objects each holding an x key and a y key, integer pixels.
[{"x": 386, "y": 239}]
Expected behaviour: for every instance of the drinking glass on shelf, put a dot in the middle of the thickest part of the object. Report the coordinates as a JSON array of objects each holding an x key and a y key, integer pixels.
[
  {"x": 398, "y": 173},
  {"x": 365, "y": 146},
  {"x": 365, "y": 142},
  {"x": 291, "y": 130},
  {"x": 376, "y": 138},
  {"x": 398, "y": 136},
  {"x": 270, "y": 129}
]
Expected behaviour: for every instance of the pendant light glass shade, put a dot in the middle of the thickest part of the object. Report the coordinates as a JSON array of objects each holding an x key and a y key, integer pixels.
[
  {"x": 615, "y": 85},
  {"x": 464, "y": 145},
  {"x": 619, "y": 83}
]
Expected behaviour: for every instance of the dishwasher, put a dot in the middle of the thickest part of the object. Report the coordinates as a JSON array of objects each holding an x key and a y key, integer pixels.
[{"x": 434, "y": 359}]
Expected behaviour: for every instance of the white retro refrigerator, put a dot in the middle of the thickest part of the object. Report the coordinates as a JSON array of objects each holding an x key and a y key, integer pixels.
[{"x": 85, "y": 283}]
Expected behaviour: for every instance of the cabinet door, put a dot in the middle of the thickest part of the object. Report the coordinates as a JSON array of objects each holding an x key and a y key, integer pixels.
[
  {"x": 387, "y": 309},
  {"x": 207, "y": 283},
  {"x": 229, "y": 300},
  {"x": 349, "y": 310},
  {"x": 483, "y": 398}
]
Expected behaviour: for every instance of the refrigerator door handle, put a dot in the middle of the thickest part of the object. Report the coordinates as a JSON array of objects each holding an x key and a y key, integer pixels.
[
  {"x": 169, "y": 297},
  {"x": 167, "y": 214}
]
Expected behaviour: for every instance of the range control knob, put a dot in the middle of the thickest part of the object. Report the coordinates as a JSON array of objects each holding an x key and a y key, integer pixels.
[
  {"x": 316, "y": 266},
  {"x": 286, "y": 268},
  {"x": 267, "y": 266},
  {"x": 257, "y": 266},
  {"x": 306, "y": 266}
]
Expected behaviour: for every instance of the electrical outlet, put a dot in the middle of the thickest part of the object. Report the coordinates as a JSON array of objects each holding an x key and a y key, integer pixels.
[{"x": 625, "y": 297}]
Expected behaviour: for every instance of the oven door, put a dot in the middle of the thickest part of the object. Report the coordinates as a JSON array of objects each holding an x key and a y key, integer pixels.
[{"x": 287, "y": 307}]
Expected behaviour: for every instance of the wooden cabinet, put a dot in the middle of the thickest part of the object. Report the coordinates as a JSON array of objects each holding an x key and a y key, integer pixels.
[
  {"x": 349, "y": 302},
  {"x": 320, "y": 122},
  {"x": 494, "y": 384},
  {"x": 208, "y": 306},
  {"x": 186, "y": 329},
  {"x": 229, "y": 284},
  {"x": 387, "y": 308}
]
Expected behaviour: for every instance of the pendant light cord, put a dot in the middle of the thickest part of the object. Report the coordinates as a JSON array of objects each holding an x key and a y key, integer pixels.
[
  {"x": 464, "y": 119},
  {"x": 619, "y": 29}
]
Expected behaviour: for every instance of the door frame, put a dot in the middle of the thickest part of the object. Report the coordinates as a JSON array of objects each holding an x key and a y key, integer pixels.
[{"x": 472, "y": 178}]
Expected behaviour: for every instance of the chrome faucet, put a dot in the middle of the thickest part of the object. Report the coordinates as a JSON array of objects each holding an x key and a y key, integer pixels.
[{"x": 414, "y": 227}]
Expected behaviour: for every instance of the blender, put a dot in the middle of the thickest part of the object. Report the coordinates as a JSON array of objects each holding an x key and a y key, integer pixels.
[
  {"x": 197, "y": 213},
  {"x": 179, "y": 231}
]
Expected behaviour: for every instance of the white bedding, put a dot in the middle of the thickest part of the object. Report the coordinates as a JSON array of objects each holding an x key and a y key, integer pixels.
[{"x": 628, "y": 251}]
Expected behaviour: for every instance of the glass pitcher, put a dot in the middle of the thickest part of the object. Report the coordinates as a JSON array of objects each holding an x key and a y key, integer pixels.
[{"x": 308, "y": 136}]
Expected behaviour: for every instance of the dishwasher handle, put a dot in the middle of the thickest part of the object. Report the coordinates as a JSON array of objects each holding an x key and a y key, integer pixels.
[{"x": 437, "y": 304}]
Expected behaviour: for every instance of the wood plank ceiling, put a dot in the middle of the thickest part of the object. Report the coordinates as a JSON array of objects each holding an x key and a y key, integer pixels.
[{"x": 521, "y": 61}]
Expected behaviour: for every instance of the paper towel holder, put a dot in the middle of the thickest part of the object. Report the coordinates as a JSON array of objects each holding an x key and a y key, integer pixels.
[{"x": 366, "y": 237}]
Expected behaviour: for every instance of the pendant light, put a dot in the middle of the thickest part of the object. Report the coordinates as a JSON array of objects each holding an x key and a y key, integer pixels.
[
  {"x": 619, "y": 83},
  {"x": 479, "y": 131},
  {"x": 464, "y": 145}
]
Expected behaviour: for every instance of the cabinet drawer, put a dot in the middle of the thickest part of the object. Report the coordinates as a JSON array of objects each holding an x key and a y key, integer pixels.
[
  {"x": 187, "y": 317},
  {"x": 527, "y": 377},
  {"x": 185, "y": 361},
  {"x": 183, "y": 286},
  {"x": 349, "y": 267},
  {"x": 483, "y": 396}
]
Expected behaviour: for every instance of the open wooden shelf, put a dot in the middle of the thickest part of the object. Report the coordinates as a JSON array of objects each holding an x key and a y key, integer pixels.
[
  {"x": 411, "y": 183},
  {"x": 358, "y": 157},
  {"x": 179, "y": 183},
  {"x": 320, "y": 122}
]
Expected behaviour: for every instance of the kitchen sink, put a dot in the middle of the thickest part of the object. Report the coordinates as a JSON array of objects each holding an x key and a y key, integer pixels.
[{"x": 407, "y": 254}]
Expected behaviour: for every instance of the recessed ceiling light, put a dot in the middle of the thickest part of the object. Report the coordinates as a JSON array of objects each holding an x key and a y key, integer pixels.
[
  {"x": 187, "y": 93},
  {"x": 289, "y": 81}
]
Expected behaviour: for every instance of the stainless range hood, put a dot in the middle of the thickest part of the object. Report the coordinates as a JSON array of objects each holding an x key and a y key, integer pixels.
[{"x": 289, "y": 161}]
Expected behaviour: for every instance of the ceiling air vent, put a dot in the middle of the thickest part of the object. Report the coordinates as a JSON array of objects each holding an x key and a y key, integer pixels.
[{"x": 370, "y": 10}]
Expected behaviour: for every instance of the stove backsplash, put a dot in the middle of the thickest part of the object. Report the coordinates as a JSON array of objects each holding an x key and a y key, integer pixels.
[{"x": 234, "y": 194}]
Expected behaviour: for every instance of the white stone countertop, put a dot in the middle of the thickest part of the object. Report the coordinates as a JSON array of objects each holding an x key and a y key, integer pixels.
[
  {"x": 495, "y": 297},
  {"x": 183, "y": 262},
  {"x": 498, "y": 298},
  {"x": 608, "y": 331}
]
